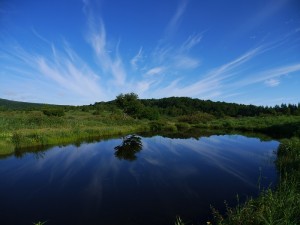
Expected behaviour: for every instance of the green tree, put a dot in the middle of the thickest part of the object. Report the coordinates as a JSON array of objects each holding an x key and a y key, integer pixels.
[{"x": 129, "y": 103}]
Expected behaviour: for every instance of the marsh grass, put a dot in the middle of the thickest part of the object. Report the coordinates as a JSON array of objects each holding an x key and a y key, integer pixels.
[
  {"x": 275, "y": 126},
  {"x": 21, "y": 129}
]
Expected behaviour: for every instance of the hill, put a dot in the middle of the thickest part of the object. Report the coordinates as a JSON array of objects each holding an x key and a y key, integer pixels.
[{"x": 16, "y": 105}]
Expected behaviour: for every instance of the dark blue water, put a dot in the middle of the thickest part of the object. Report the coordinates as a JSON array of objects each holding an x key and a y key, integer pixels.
[{"x": 134, "y": 180}]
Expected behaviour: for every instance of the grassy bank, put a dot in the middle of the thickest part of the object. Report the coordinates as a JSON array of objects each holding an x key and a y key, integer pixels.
[
  {"x": 21, "y": 129},
  {"x": 274, "y": 126}
]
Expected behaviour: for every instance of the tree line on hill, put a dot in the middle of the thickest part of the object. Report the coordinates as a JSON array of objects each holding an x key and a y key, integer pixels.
[{"x": 184, "y": 107}]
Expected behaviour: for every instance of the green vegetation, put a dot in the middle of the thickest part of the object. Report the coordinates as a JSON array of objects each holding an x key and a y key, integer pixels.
[
  {"x": 40, "y": 223},
  {"x": 21, "y": 129},
  {"x": 27, "y": 125},
  {"x": 54, "y": 112}
]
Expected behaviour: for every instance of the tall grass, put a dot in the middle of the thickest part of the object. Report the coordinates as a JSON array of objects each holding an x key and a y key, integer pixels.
[{"x": 25, "y": 129}]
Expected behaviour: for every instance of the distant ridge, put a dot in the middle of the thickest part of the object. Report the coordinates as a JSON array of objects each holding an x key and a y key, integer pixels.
[
  {"x": 171, "y": 106},
  {"x": 17, "y": 105}
]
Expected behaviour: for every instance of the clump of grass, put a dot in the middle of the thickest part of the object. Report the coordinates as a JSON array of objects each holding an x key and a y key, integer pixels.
[
  {"x": 40, "y": 223},
  {"x": 179, "y": 221}
]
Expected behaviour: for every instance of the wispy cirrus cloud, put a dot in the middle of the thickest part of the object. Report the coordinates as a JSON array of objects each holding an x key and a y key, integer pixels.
[
  {"x": 209, "y": 84},
  {"x": 185, "y": 62},
  {"x": 177, "y": 57},
  {"x": 155, "y": 71},
  {"x": 272, "y": 82},
  {"x": 70, "y": 73},
  {"x": 191, "y": 41},
  {"x": 226, "y": 79},
  {"x": 54, "y": 67},
  {"x": 96, "y": 37},
  {"x": 270, "y": 77},
  {"x": 109, "y": 65},
  {"x": 176, "y": 19},
  {"x": 137, "y": 58}
]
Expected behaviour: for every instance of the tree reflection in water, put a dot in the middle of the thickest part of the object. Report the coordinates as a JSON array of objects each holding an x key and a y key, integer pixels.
[{"x": 129, "y": 147}]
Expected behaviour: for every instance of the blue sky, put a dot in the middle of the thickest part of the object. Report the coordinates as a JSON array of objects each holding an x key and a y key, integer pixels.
[{"x": 83, "y": 51}]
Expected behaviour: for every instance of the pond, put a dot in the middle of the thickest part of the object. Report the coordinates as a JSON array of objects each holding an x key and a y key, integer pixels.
[{"x": 134, "y": 180}]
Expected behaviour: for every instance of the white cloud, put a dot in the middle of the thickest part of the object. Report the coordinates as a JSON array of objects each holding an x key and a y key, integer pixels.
[
  {"x": 155, "y": 71},
  {"x": 143, "y": 86},
  {"x": 74, "y": 76},
  {"x": 135, "y": 60},
  {"x": 192, "y": 41},
  {"x": 96, "y": 37},
  {"x": 272, "y": 82},
  {"x": 175, "y": 20},
  {"x": 60, "y": 67},
  {"x": 268, "y": 76},
  {"x": 185, "y": 62},
  {"x": 211, "y": 83},
  {"x": 177, "y": 58}
]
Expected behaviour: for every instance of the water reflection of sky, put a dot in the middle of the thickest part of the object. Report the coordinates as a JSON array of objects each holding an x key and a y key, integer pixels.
[{"x": 169, "y": 177}]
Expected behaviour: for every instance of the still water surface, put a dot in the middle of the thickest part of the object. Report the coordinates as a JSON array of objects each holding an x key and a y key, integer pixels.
[{"x": 134, "y": 180}]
